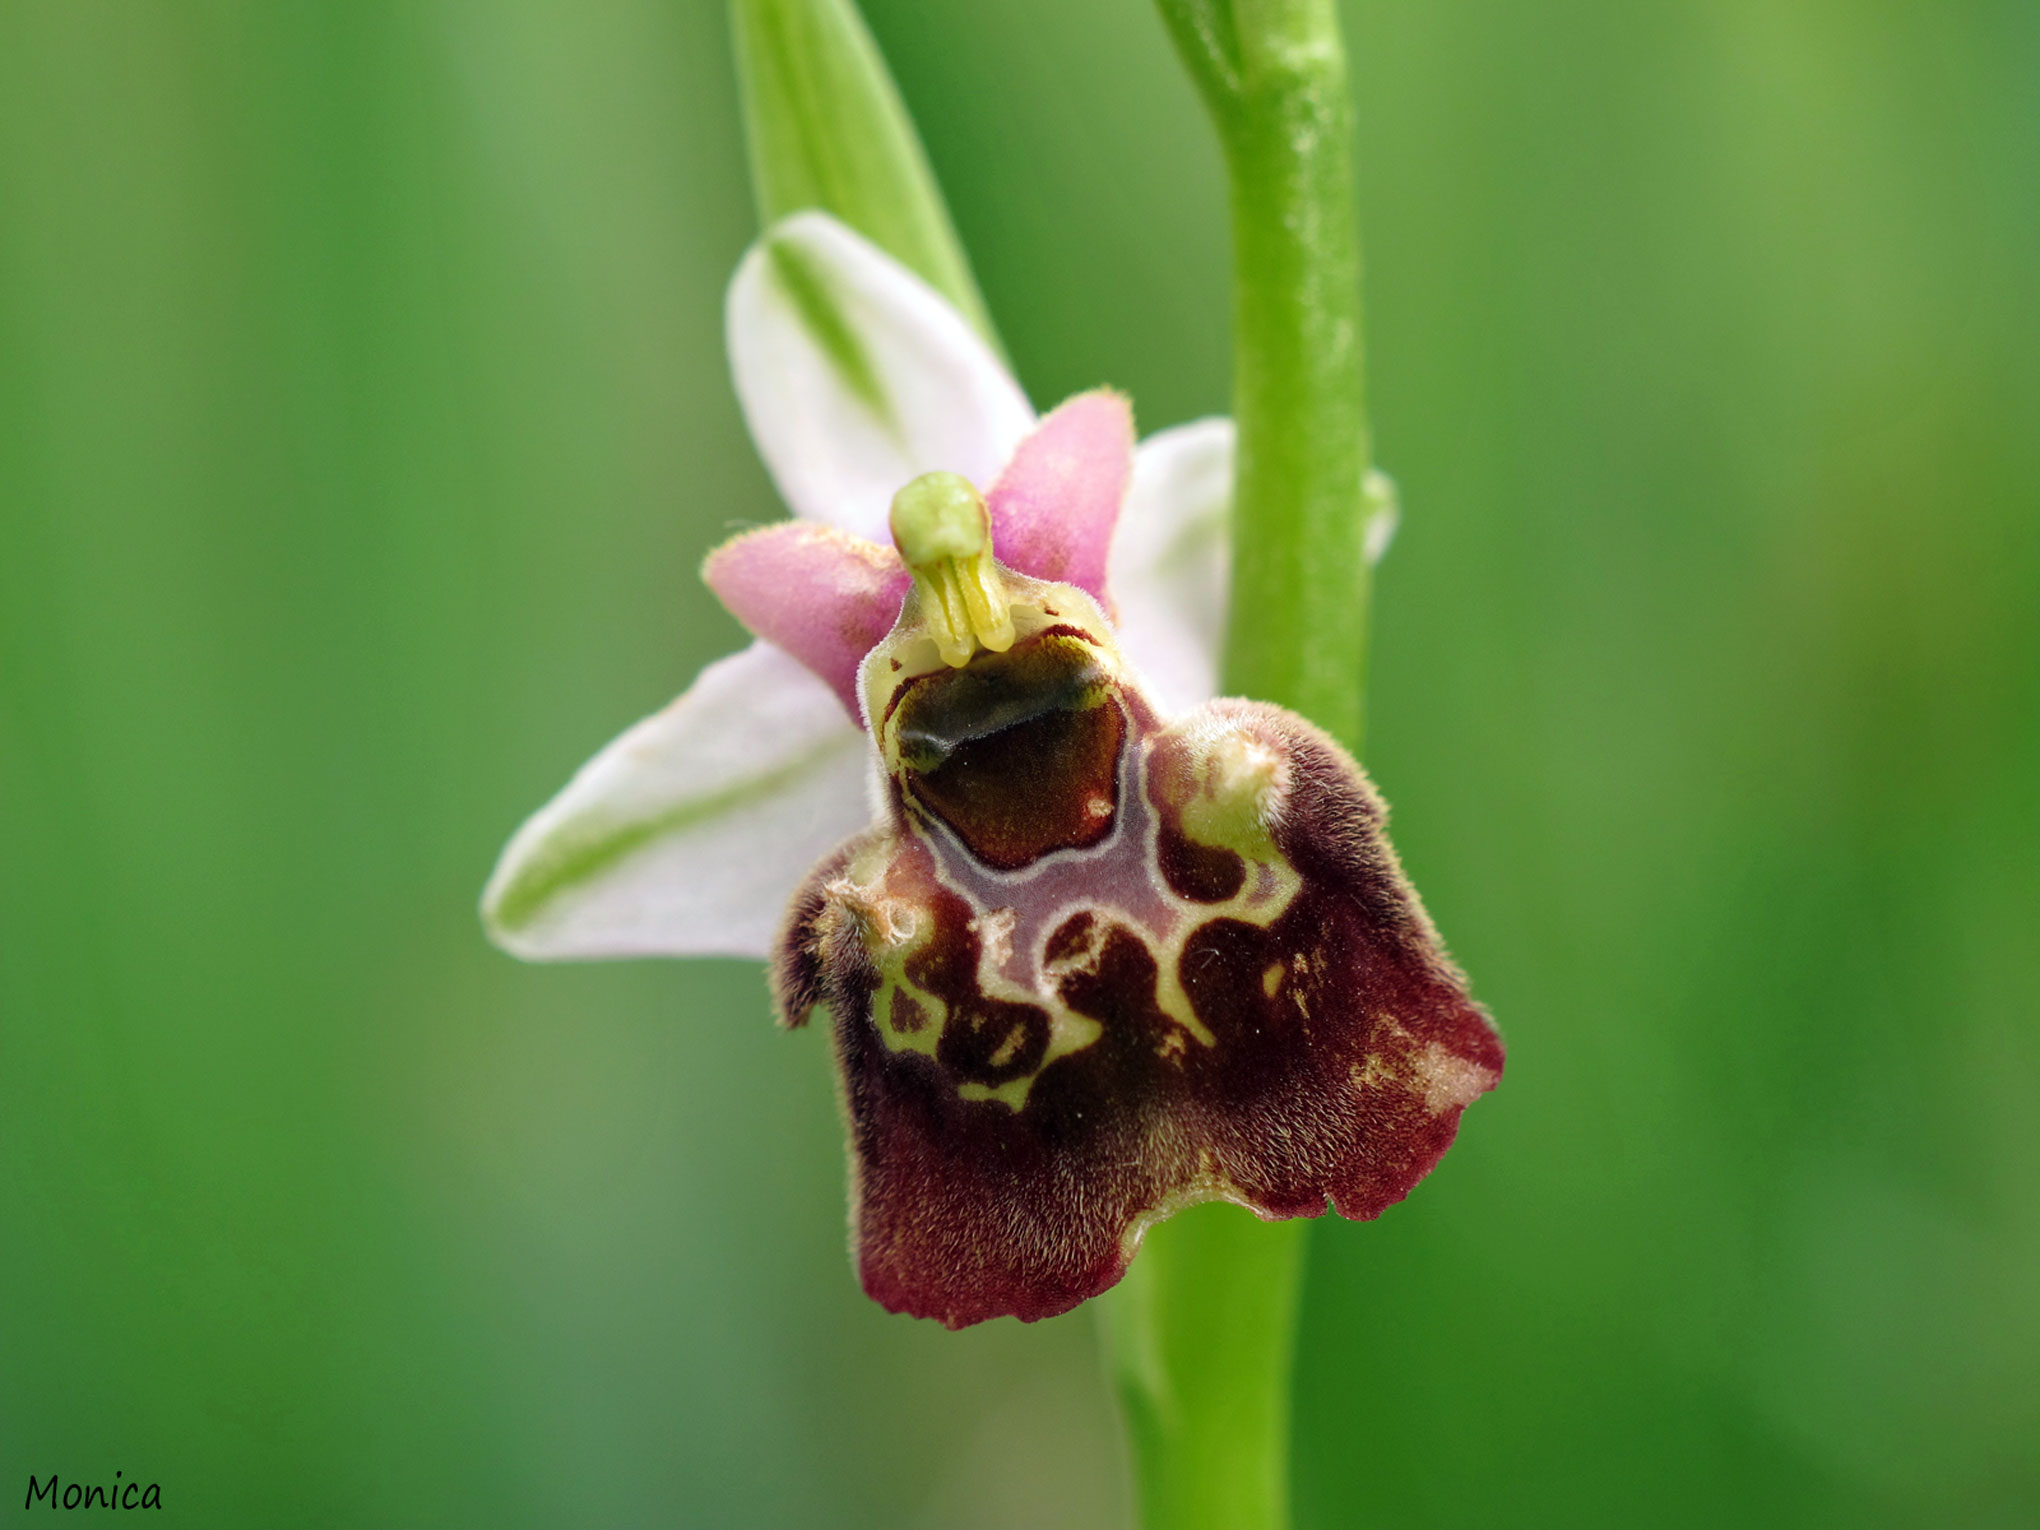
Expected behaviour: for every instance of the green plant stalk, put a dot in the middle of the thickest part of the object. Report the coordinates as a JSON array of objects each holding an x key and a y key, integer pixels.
[
  {"x": 1199, "y": 1340},
  {"x": 1200, "y": 1337},
  {"x": 827, "y": 129}
]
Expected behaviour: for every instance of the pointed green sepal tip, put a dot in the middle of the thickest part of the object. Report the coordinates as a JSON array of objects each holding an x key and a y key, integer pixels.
[{"x": 827, "y": 129}]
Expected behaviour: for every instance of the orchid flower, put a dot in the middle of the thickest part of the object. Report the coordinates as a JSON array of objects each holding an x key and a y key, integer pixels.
[
  {"x": 687, "y": 835},
  {"x": 1096, "y": 946}
]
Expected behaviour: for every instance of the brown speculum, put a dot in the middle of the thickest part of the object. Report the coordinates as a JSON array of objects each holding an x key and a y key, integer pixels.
[
  {"x": 1018, "y": 752},
  {"x": 1094, "y": 965}
]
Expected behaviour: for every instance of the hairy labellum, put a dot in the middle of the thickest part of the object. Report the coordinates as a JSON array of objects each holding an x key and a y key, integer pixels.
[
  {"x": 1093, "y": 966},
  {"x": 1098, "y": 959}
]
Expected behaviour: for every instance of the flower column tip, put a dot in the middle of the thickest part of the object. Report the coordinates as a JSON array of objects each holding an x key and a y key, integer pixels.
[{"x": 944, "y": 534}]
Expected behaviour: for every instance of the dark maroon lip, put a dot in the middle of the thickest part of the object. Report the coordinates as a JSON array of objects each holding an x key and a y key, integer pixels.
[{"x": 1053, "y": 1060}]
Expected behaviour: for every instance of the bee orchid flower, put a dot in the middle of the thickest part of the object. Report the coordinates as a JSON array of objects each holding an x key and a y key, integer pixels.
[{"x": 1095, "y": 946}]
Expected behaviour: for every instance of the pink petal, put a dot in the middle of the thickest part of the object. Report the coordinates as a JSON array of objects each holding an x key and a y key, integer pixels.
[
  {"x": 1054, "y": 506},
  {"x": 825, "y": 596}
]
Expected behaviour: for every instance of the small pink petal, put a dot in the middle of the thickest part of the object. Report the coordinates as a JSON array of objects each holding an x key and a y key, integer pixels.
[
  {"x": 825, "y": 596},
  {"x": 1054, "y": 506}
]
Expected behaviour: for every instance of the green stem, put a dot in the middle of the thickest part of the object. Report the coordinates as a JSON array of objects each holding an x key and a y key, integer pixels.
[
  {"x": 1199, "y": 1337},
  {"x": 1201, "y": 1334},
  {"x": 1300, "y": 581}
]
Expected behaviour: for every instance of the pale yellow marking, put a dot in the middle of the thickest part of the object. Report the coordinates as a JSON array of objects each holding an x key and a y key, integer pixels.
[
  {"x": 915, "y": 647},
  {"x": 1084, "y": 959},
  {"x": 885, "y": 922},
  {"x": 927, "y": 1038},
  {"x": 891, "y": 929},
  {"x": 1443, "y": 1079},
  {"x": 1449, "y": 1081},
  {"x": 1241, "y": 788},
  {"x": 994, "y": 930},
  {"x": 1068, "y": 1031},
  {"x": 1012, "y": 1094},
  {"x": 1032, "y": 606},
  {"x": 1271, "y": 980},
  {"x": 1376, "y": 1071},
  {"x": 1170, "y": 997}
]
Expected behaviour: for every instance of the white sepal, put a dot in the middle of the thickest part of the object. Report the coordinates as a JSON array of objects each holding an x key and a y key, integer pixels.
[
  {"x": 686, "y": 835},
  {"x": 856, "y": 376},
  {"x": 1170, "y": 560}
]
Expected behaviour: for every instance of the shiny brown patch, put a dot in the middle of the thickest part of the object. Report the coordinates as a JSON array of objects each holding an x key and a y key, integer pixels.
[{"x": 1017, "y": 752}]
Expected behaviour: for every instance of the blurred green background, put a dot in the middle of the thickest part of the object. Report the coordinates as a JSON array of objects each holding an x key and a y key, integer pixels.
[{"x": 363, "y": 417}]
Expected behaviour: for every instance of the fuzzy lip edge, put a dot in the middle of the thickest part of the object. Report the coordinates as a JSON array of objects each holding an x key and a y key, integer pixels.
[{"x": 1346, "y": 842}]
